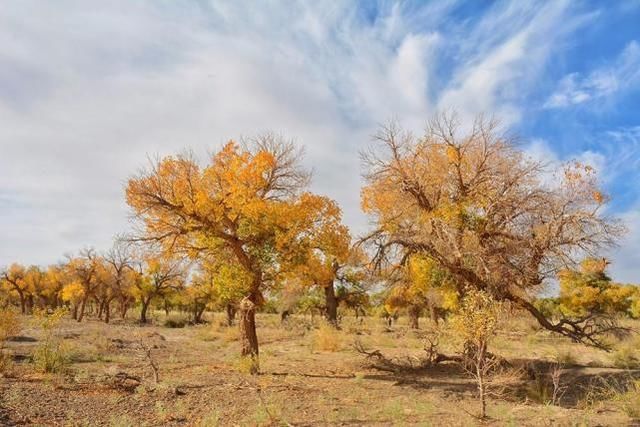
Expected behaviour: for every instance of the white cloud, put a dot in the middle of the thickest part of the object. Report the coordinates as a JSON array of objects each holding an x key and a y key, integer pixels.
[
  {"x": 616, "y": 161},
  {"x": 502, "y": 67},
  {"x": 88, "y": 89},
  {"x": 605, "y": 81},
  {"x": 627, "y": 256}
]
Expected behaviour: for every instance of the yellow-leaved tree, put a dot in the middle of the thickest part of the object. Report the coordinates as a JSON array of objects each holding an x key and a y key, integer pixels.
[
  {"x": 159, "y": 276},
  {"x": 328, "y": 259},
  {"x": 589, "y": 290},
  {"x": 468, "y": 199},
  {"x": 422, "y": 285},
  {"x": 247, "y": 205},
  {"x": 83, "y": 270},
  {"x": 14, "y": 280}
]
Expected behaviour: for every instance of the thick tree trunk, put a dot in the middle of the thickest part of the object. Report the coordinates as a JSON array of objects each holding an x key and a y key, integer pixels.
[
  {"x": 331, "y": 304},
  {"x": 83, "y": 305},
  {"x": 100, "y": 309},
  {"x": 198, "y": 311},
  {"x": 75, "y": 312},
  {"x": 231, "y": 314},
  {"x": 248, "y": 335},
  {"x": 143, "y": 312},
  {"x": 124, "y": 307},
  {"x": 414, "y": 316}
]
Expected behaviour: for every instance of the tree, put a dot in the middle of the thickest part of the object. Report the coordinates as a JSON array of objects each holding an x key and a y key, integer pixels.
[
  {"x": 119, "y": 278},
  {"x": 36, "y": 281},
  {"x": 589, "y": 290},
  {"x": 14, "y": 279},
  {"x": 481, "y": 210},
  {"x": 73, "y": 293},
  {"x": 328, "y": 258},
  {"x": 218, "y": 282},
  {"x": 57, "y": 278},
  {"x": 84, "y": 270},
  {"x": 422, "y": 285},
  {"x": 160, "y": 277},
  {"x": 477, "y": 321},
  {"x": 246, "y": 205}
]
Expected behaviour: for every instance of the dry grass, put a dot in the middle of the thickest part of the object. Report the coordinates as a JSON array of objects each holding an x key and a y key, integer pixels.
[
  {"x": 310, "y": 375},
  {"x": 9, "y": 326},
  {"x": 327, "y": 338}
]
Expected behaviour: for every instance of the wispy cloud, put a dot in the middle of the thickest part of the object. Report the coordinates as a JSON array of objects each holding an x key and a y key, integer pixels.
[
  {"x": 88, "y": 89},
  {"x": 621, "y": 75}
]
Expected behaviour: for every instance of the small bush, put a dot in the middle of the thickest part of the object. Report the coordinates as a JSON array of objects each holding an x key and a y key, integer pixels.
[
  {"x": 6, "y": 363},
  {"x": 9, "y": 326},
  {"x": 566, "y": 358},
  {"x": 326, "y": 338},
  {"x": 625, "y": 357},
  {"x": 246, "y": 365},
  {"x": 630, "y": 400},
  {"x": 176, "y": 321},
  {"x": 52, "y": 355}
]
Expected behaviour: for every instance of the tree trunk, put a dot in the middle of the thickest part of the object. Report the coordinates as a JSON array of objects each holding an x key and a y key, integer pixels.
[
  {"x": 75, "y": 312},
  {"x": 143, "y": 312},
  {"x": 248, "y": 335},
  {"x": 23, "y": 303},
  {"x": 100, "y": 309},
  {"x": 231, "y": 314},
  {"x": 198, "y": 311},
  {"x": 414, "y": 316},
  {"x": 107, "y": 311},
  {"x": 124, "y": 307},
  {"x": 331, "y": 304},
  {"x": 284, "y": 316},
  {"x": 83, "y": 305},
  {"x": 30, "y": 304},
  {"x": 433, "y": 313}
]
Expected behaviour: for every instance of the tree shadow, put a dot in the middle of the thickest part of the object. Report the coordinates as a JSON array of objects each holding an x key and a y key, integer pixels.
[
  {"x": 446, "y": 376},
  {"x": 579, "y": 384},
  {"x": 22, "y": 338},
  {"x": 531, "y": 380}
]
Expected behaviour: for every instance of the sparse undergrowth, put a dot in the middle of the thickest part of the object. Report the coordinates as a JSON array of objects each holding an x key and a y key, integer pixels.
[{"x": 310, "y": 374}]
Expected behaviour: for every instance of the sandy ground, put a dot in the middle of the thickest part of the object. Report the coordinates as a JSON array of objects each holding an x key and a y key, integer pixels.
[{"x": 203, "y": 382}]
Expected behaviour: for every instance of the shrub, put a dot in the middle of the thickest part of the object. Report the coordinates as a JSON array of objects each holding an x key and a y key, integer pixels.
[
  {"x": 629, "y": 401},
  {"x": 246, "y": 364},
  {"x": 9, "y": 326},
  {"x": 565, "y": 357},
  {"x": 52, "y": 355},
  {"x": 175, "y": 321},
  {"x": 625, "y": 356},
  {"x": 326, "y": 338}
]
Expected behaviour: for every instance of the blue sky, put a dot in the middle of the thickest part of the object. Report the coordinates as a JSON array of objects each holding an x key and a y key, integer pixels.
[{"x": 89, "y": 89}]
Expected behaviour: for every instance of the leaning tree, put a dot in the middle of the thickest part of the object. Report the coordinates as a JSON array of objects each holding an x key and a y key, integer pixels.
[{"x": 487, "y": 214}]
